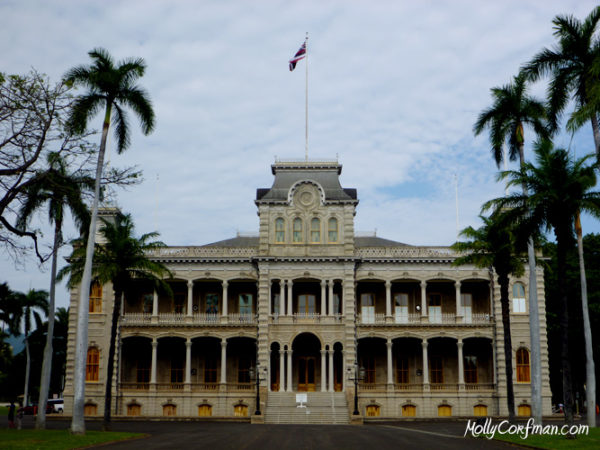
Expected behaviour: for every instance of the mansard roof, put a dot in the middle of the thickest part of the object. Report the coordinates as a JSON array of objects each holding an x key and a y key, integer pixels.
[
  {"x": 289, "y": 173},
  {"x": 359, "y": 241}
]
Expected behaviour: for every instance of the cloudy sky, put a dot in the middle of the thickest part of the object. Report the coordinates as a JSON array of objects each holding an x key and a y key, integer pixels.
[{"x": 394, "y": 90}]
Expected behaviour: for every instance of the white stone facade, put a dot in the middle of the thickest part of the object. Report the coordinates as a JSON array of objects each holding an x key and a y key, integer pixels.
[{"x": 304, "y": 295}]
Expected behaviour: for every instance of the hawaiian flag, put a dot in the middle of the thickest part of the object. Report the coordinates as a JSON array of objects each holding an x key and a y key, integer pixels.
[{"x": 300, "y": 54}]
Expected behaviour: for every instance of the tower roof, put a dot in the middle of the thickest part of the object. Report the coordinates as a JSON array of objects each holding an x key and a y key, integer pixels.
[{"x": 290, "y": 173}]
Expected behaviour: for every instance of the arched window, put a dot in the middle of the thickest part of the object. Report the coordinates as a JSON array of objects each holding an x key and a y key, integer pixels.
[
  {"x": 444, "y": 410},
  {"x": 315, "y": 230},
  {"x": 524, "y": 410},
  {"x": 169, "y": 410},
  {"x": 240, "y": 410},
  {"x": 134, "y": 409},
  {"x": 480, "y": 411},
  {"x": 204, "y": 410},
  {"x": 523, "y": 374},
  {"x": 519, "y": 298},
  {"x": 90, "y": 409},
  {"x": 373, "y": 411},
  {"x": 332, "y": 230},
  {"x": 297, "y": 230},
  {"x": 92, "y": 364},
  {"x": 95, "y": 297},
  {"x": 409, "y": 411},
  {"x": 279, "y": 230}
]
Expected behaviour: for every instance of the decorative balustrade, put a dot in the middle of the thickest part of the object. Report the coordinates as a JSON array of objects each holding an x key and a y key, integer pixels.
[
  {"x": 372, "y": 387},
  {"x": 479, "y": 386},
  {"x": 202, "y": 387},
  {"x": 135, "y": 386},
  {"x": 242, "y": 387},
  {"x": 477, "y": 318},
  {"x": 202, "y": 252},
  {"x": 407, "y": 252},
  {"x": 408, "y": 318},
  {"x": 136, "y": 318},
  {"x": 443, "y": 387},
  {"x": 205, "y": 318},
  {"x": 171, "y": 318},
  {"x": 169, "y": 386},
  {"x": 241, "y": 318},
  {"x": 408, "y": 387}
]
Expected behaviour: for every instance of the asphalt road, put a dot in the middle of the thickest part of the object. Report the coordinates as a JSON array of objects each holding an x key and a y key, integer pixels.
[{"x": 191, "y": 435}]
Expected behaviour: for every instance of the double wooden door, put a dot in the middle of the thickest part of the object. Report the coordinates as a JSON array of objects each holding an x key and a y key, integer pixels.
[{"x": 306, "y": 373}]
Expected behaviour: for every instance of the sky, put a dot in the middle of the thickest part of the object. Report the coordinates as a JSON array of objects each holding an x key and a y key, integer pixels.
[{"x": 394, "y": 88}]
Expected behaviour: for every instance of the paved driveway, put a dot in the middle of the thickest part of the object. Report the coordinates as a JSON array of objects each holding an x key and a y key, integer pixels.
[{"x": 192, "y": 435}]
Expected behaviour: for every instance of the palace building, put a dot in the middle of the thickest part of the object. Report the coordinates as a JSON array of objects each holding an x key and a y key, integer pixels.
[{"x": 308, "y": 306}]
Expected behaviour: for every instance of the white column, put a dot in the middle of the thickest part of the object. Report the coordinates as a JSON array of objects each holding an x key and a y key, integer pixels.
[
  {"x": 188, "y": 360},
  {"x": 282, "y": 298},
  {"x": 155, "y": 304},
  {"x": 289, "y": 370},
  {"x": 330, "y": 370},
  {"x": 290, "y": 310},
  {"x": 190, "y": 297},
  {"x": 461, "y": 369},
  {"x": 423, "y": 298},
  {"x": 425, "y": 363},
  {"x": 390, "y": 379},
  {"x": 388, "y": 299},
  {"x": 153, "y": 366},
  {"x": 223, "y": 361},
  {"x": 459, "y": 311},
  {"x": 323, "y": 299},
  {"x": 281, "y": 370},
  {"x": 225, "y": 284},
  {"x": 330, "y": 298},
  {"x": 323, "y": 371}
]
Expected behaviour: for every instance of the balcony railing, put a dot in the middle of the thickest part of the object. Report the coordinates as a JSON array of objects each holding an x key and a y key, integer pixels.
[
  {"x": 372, "y": 387},
  {"x": 443, "y": 386},
  {"x": 306, "y": 318},
  {"x": 202, "y": 387},
  {"x": 183, "y": 319},
  {"x": 408, "y": 387},
  {"x": 415, "y": 318},
  {"x": 479, "y": 386},
  {"x": 169, "y": 386},
  {"x": 135, "y": 386}
]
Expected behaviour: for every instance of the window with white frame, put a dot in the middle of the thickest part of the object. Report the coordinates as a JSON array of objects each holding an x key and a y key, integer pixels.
[
  {"x": 315, "y": 230},
  {"x": 467, "y": 307},
  {"x": 297, "y": 227},
  {"x": 519, "y": 304},
  {"x": 279, "y": 230},
  {"x": 401, "y": 307},
  {"x": 332, "y": 230}
]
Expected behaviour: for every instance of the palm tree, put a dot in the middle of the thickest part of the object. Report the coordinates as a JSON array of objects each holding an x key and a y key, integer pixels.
[
  {"x": 10, "y": 311},
  {"x": 62, "y": 191},
  {"x": 31, "y": 304},
  {"x": 512, "y": 109},
  {"x": 112, "y": 87},
  {"x": 120, "y": 260},
  {"x": 494, "y": 246},
  {"x": 572, "y": 64},
  {"x": 559, "y": 189}
]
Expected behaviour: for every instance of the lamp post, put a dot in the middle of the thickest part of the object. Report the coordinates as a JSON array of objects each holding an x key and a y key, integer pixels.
[
  {"x": 359, "y": 375},
  {"x": 255, "y": 374}
]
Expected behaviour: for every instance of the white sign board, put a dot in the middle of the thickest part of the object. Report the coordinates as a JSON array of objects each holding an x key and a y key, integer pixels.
[{"x": 301, "y": 398}]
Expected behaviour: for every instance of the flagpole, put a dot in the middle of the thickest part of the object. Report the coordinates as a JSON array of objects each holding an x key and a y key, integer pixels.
[{"x": 306, "y": 103}]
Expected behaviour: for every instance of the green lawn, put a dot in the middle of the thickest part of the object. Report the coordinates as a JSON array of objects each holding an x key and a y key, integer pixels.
[
  {"x": 591, "y": 441},
  {"x": 4, "y": 411},
  {"x": 57, "y": 439}
]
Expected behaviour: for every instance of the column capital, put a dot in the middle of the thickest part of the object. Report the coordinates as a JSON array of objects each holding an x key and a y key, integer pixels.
[
  {"x": 290, "y": 282},
  {"x": 389, "y": 342},
  {"x": 388, "y": 284},
  {"x": 188, "y": 342},
  {"x": 154, "y": 342},
  {"x": 324, "y": 352},
  {"x": 224, "y": 283},
  {"x": 423, "y": 283},
  {"x": 223, "y": 342},
  {"x": 190, "y": 284},
  {"x": 424, "y": 343},
  {"x": 323, "y": 283},
  {"x": 457, "y": 284},
  {"x": 459, "y": 343}
]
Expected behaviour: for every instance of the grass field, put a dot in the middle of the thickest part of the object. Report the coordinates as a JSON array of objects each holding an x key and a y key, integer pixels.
[
  {"x": 591, "y": 441},
  {"x": 57, "y": 439}
]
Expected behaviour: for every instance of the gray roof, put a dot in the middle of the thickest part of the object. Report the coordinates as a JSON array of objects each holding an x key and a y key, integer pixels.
[
  {"x": 289, "y": 173},
  {"x": 360, "y": 241}
]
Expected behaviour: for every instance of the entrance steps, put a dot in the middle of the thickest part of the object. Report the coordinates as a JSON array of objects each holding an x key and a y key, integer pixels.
[{"x": 320, "y": 407}]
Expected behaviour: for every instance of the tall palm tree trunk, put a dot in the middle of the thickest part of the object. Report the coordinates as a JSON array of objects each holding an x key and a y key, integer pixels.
[
  {"x": 596, "y": 131},
  {"x": 561, "y": 257},
  {"x": 590, "y": 375},
  {"x": 111, "y": 357},
  {"x": 40, "y": 422},
  {"x": 504, "y": 302},
  {"x": 77, "y": 421},
  {"x": 27, "y": 369},
  {"x": 534, "y": 322}
]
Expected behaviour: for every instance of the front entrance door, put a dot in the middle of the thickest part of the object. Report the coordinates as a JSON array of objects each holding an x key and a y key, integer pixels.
[{"x": 306, "y": 373}]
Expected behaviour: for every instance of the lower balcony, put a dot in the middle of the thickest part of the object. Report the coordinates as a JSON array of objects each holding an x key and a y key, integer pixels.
[{"x": 174, "y": 319}]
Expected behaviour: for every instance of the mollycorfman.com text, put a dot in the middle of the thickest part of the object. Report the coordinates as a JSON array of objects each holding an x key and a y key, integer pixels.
[{"x": 489, "y": 430}]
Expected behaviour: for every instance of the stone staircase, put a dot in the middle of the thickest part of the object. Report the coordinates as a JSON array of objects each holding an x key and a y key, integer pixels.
[{"x": 321, "y": 408}]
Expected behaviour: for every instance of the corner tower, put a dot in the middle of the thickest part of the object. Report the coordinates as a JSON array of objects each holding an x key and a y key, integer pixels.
[{"x": 306, "y": 212}]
